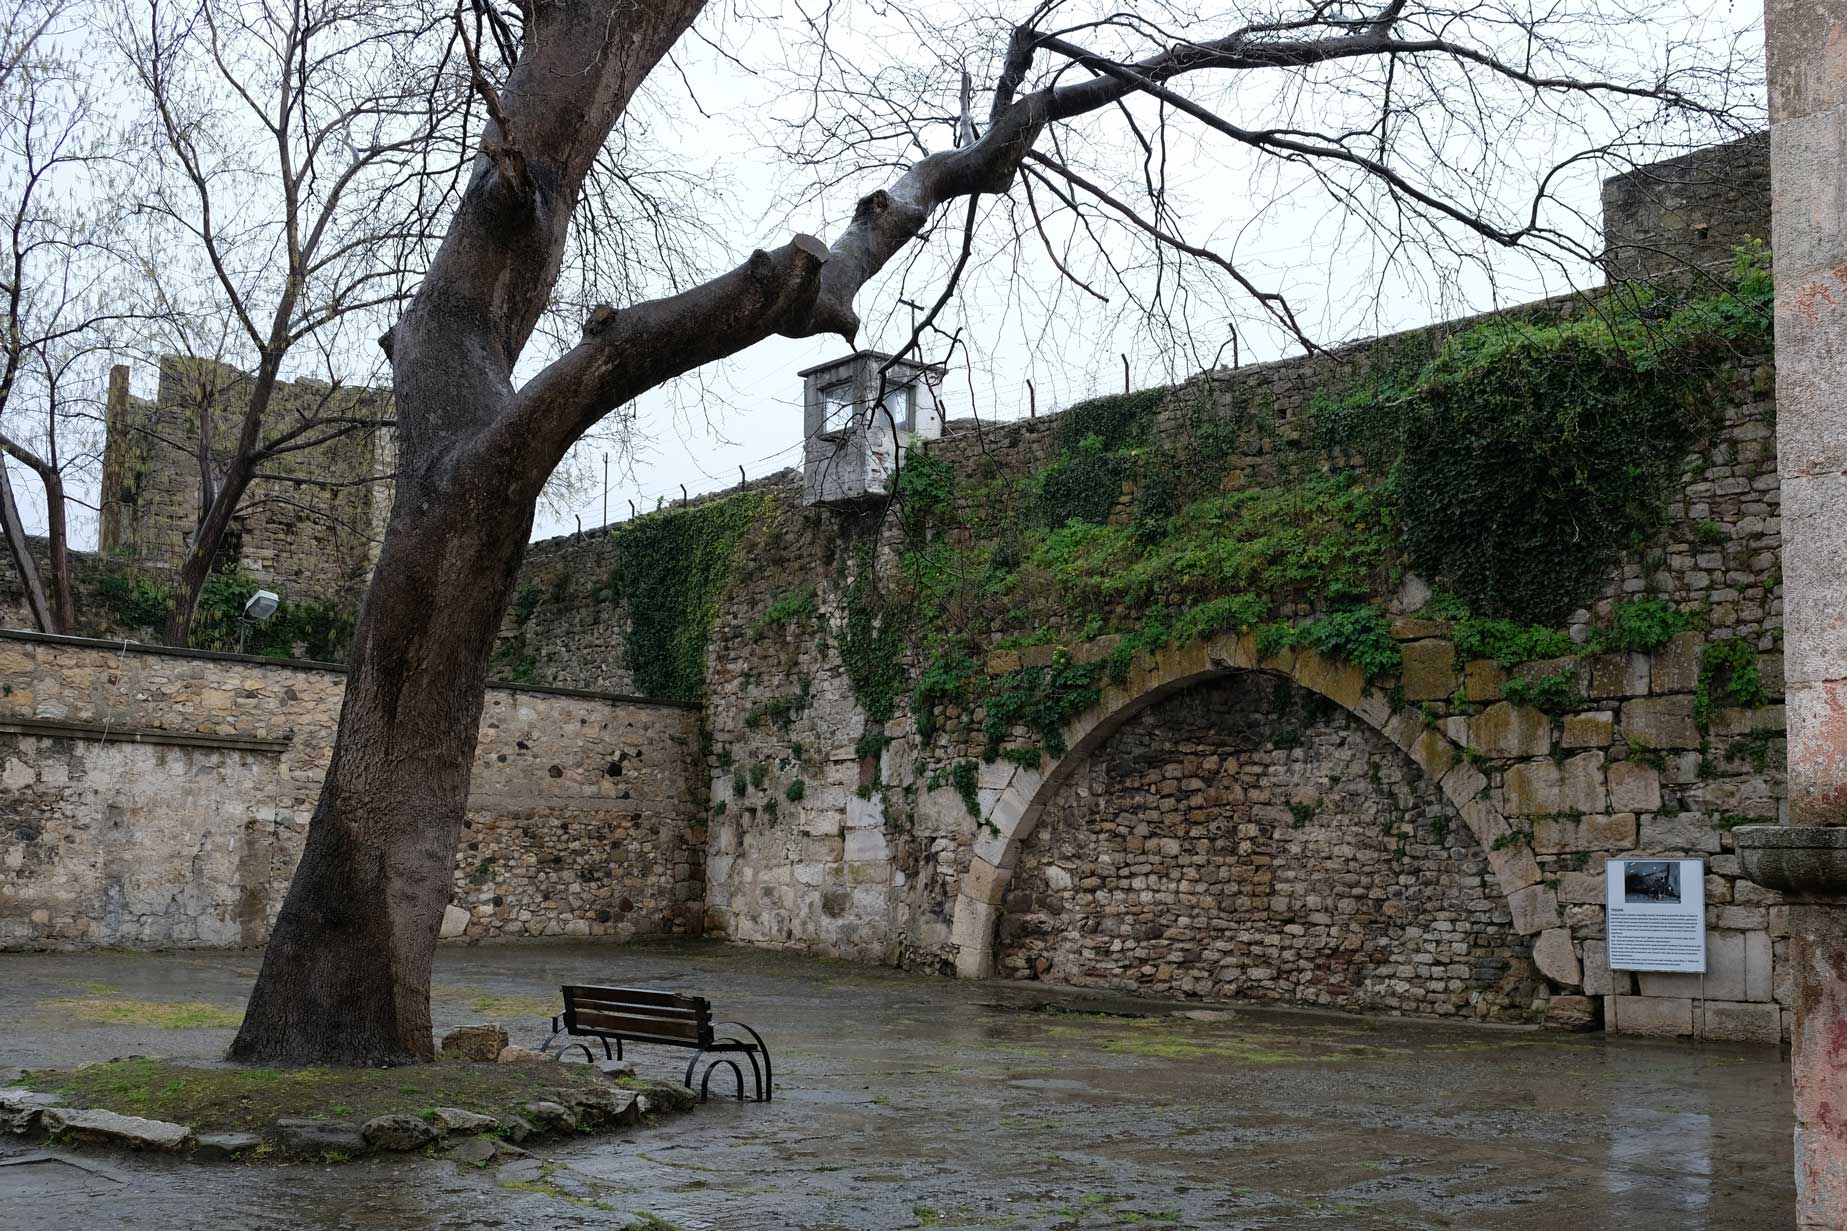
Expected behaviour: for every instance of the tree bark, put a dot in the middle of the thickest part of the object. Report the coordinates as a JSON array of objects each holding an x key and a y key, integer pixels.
[
  {"x": 63, "y": 604},
  {"x": 23, "y": 564},
  {"x": 346, "y": 974}
]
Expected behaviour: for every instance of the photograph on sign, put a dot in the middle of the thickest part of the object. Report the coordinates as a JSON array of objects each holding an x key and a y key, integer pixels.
[
  {"x": 1651, "y": 880},
  {"x": 1655, "y": 914}
]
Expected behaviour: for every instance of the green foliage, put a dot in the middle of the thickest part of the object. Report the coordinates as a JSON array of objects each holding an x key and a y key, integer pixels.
[
  {"x": 1642, "y": 624},
  {"x": 1727, "y": 676},
  {"x": 670, "y": 569},
  {"x": 1552, "y": 692},
  {"x": 946, "y": 679},
  {"x": 795, "y": 607},
  {"x": 1325, "y": 540},
  {"x": 925, "y": 489},
  {"x": 1446, "y": 606},
  {"x": 1082, "y": 487},
  {"x": 322, "y": 629},
  {"x": 1507, "y": 642},
  {"x": 1525, "y": 455},
  {"x": 136, "y": 601},
  {"x": 1235, "y": 611},
  {"x": 526, "y": 600},
  {"x": 1042, "y": 699},
  {"x": 1710, "y": 534},
  {"x": 1301, "y": 814},
  {"x": 872, "y": 645},
  {"x": 795, "y": 791},
  {"x": 759, "y": 774},
  {"x": 963, "y": 775},
  {"x": 509, "y": 666},
  {"x": 1114, "y": 421},
  {"x": 1359, "y": 635}
]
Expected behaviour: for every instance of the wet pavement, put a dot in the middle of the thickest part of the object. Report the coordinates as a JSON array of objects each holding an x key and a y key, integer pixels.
[{"x": 906, "y": 1101}]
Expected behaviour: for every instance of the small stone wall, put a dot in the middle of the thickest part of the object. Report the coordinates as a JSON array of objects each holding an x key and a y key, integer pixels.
[
  {"x": 158, "y": 798},
  {"x": 1246, "y": 839}
]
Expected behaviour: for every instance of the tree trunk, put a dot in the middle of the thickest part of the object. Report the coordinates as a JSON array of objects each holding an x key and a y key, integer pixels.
[
  {"x": 346, "y": 974},
  {"x": 218, "y": 501},
  {"x": 196, "y": 569},
  {"x": 63, "y": 605},
  {"x": 24, "y": 566}
]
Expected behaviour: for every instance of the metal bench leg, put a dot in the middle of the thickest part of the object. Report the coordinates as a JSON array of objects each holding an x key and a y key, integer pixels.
[
  {"x": 556, "y": 1031},
  {"x": 706, "y": 1085},
  {"x": 756, "y": 1070},
  {"x": 769, "y": 1080}
]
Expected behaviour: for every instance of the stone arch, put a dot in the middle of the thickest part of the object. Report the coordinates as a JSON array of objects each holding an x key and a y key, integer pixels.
[{"x": 1013, "y": 797}]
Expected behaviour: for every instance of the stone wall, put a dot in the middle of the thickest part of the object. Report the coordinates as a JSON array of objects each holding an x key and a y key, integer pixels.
[
  {"x": 1245, "y": 839},
  {"x": 835, "y": 834},
  {"x": 153, "y": 798},
  {"x": 1687, "y": 211},
  {"x": 305, "y": 540}
]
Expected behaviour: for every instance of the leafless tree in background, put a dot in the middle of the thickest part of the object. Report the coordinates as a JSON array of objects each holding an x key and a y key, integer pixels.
[
  {"x": 345, "y": 977},
  {"x": 56, "y": 284},
  {"x": 300, "y": 156}
]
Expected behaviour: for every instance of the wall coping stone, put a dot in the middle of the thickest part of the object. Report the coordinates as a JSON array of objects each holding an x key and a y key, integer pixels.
[
  {"x": 44, "y": 728},
  {"x": 126, "y": 646}
]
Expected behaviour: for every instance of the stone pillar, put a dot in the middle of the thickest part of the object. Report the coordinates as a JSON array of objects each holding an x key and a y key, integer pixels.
[{"x": 1806, "y": 44}]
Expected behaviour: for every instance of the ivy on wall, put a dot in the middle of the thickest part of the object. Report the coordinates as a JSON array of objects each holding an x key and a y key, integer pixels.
[
  {"x": 1525, "y": 456},
  {"x": 1510, "y": 462},
  {"x": 670, "y": 569}
]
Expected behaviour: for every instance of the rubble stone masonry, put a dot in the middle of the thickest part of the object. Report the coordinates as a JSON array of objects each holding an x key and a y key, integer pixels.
[{"x": 158, "y": 798}]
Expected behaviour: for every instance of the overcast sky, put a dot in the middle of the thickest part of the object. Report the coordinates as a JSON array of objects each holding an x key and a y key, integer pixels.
[{"x": 735, "y": 100}]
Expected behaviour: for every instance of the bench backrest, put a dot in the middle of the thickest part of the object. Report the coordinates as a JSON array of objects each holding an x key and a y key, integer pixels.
[{"x": 639, "y": 1014}]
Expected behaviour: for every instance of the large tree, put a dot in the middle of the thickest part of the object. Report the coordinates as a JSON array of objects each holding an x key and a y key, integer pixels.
[{"x": 345, "y": 978}]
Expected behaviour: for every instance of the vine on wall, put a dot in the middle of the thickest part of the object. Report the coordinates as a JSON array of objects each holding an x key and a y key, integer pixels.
[{"x": 670, "y": 569}]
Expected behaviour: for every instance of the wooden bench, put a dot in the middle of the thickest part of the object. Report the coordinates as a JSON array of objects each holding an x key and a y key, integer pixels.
[{"x": 637, "y": 1015}]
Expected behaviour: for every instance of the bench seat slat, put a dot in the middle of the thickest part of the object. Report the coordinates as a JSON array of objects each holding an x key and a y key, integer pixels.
[
  {"x": 639, "y": 1010},
  {"x": 636, "y": 996},
  {"x": 656, "y": 1028}
]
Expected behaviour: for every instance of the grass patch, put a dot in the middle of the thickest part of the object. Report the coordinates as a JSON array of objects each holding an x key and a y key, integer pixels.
[
  {"x": 498, "y": 1005},
  {"x": 160, "y": 1014},
  {"x": 252, "y": 1098}
]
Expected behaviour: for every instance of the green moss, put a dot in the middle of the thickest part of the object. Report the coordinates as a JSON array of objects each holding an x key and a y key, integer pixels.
[
  {"x": 159, "y": 1014},
  {"x": 223, "y": 1097}
]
